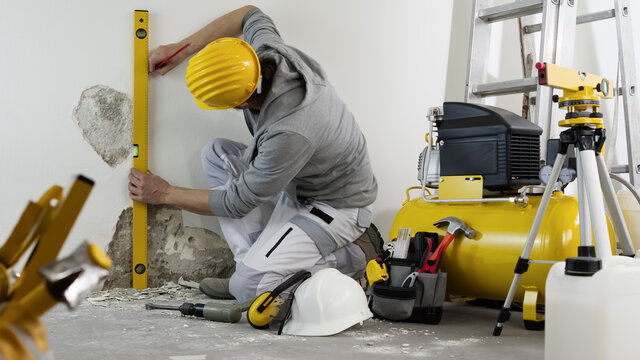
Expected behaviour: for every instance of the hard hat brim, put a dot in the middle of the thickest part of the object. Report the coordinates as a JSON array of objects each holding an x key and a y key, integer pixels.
[{"x": 204, "y": 106}]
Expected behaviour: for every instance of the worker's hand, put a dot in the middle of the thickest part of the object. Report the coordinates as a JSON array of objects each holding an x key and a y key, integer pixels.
[
  {"x": 147, "y": 188},
  {"x": 163, "y": 52}
]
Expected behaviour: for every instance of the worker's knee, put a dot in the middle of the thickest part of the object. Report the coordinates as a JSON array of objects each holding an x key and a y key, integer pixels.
[
  {"x": 244, "y": 283},
  {"x": 212, "y": 160},
  {"x": 213, "y": 165},
  {"x": 351, "y": 261},
  {"x": 247, "y": 283}
]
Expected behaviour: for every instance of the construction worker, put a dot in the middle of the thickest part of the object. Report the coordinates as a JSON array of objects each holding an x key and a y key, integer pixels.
[{"x": 306, "y": 169}]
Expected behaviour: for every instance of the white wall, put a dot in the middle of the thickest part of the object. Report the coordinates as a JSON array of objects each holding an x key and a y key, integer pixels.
[{"x": 386, "y": 59}]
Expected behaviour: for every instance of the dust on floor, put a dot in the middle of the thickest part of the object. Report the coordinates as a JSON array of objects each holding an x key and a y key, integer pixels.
[{"x": 113, "y": 324}]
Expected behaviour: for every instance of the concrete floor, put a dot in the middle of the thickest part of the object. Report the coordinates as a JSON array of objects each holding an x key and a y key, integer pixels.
[{"x": 114, "y": 325}]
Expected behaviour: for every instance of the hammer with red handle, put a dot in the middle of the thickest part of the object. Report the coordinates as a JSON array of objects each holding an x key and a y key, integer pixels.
[{"x": 455, "y": 225}]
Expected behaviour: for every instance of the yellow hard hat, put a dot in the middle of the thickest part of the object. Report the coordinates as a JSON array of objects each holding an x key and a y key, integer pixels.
[{"x": 224, "y": 74}]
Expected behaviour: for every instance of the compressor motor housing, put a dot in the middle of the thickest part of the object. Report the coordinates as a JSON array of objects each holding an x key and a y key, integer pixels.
[{"x": 501, "y": 146}]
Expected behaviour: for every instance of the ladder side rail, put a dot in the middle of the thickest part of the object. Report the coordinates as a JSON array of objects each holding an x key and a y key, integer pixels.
[
  {"x": 545, "y": 112},
  {"x": 626, "y": 55},
  {"x": 566, "y": 33},
  {"x": 479, "y": 43},
  {"x": 565, "y": 40}
]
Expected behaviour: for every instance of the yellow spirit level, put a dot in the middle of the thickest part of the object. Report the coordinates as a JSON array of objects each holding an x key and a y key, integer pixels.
[{"x": 140, "y": 141}]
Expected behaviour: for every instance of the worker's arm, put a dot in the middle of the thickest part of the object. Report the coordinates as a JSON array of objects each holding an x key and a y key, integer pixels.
[
  {"x": 228, "y": 25},
  {"x": 153, "y": 189}
]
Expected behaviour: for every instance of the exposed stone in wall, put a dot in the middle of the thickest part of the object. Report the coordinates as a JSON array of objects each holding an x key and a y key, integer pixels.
[
  {"x": 173, "y": 250},
  {"x": 105, "y": 117}
]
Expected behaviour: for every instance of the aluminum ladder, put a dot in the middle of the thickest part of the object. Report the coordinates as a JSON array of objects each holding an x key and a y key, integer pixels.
[{"x": 558, "y": 26}]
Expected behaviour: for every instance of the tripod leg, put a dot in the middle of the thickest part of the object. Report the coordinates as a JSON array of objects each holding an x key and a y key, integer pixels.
[
  {"x": 584, "y": 216},
  {"x": 523, "y": 262},
  {"x": 620, "y": 227},
  {"x": 596, "y": 205}
]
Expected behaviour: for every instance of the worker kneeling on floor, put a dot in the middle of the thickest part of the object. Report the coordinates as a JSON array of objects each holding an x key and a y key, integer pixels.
[{"x": 306, "y": 168}]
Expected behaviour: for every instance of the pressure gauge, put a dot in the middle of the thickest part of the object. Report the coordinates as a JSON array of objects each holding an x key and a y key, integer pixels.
[
  {"x": 545, "y": 174},
  {"x": 566, "y": 175}
]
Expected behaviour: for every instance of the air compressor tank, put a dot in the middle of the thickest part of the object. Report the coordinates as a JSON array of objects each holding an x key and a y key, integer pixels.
[{"x": 484, "y": 267}]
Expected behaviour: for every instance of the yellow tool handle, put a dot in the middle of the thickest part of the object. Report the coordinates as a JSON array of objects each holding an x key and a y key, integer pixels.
[
  {"x": 18, "y": 315},
  {"x": 140, "y": 141},
  {"x": 98, "y": 257},
  {"x": 5, "y": 283},
  {"x": 38, "y": 301},
  {"x": 21, "y": 235},
  {"x": 51, "y": 241},
  {"x": 32, "y": 224}
]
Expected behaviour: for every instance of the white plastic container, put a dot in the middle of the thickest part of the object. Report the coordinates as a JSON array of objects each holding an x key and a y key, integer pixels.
[
  {"x": 631, "y": 213},
  {"x": 593, "y": 317}
]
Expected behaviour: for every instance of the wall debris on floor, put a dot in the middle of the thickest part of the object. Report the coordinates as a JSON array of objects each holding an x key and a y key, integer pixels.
[{"x": 174, "y": 251}]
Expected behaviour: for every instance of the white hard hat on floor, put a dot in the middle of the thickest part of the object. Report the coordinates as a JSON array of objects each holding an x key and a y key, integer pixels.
[{"x": 326, "y": 304}]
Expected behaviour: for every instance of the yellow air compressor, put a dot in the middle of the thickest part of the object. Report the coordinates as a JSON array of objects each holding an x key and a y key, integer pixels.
[
  {"x": 486, "y": 165},
  {"x": 483, "y": 267}
]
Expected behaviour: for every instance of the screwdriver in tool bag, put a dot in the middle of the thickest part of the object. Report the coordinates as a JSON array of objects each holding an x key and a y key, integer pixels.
[{"x": 210, "y": 311}]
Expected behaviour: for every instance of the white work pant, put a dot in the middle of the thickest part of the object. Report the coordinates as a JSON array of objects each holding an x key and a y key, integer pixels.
[{"x": 268, "y": 248}]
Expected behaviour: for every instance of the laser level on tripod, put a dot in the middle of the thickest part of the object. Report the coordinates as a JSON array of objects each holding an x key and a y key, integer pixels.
[{"x": 581, "y": 97}]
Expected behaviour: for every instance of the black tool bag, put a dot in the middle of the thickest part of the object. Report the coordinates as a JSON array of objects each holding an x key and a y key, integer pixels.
[{"x": 409, "y": 295}]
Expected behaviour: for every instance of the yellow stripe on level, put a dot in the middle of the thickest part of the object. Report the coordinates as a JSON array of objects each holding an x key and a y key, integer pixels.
[{"x": 140, "y": 85}]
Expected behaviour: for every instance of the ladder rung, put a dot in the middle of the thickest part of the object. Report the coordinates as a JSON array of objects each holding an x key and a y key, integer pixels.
[
  {"x": 510, "y": 11},
  {"x": 620, "y": 169},
  {"x": 597, "y": 16},
  {"x": 582, "y": 19},
  {"x": 506, "y": 87}
]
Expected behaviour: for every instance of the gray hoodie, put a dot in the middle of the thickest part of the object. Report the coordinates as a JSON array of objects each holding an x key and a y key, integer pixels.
[{"x": 304, "y": 134}]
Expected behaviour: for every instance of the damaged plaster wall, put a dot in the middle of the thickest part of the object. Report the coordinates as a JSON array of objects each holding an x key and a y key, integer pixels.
[
  {"x": 174, "y": 250},
  {"x": 105, "y": 117}
]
